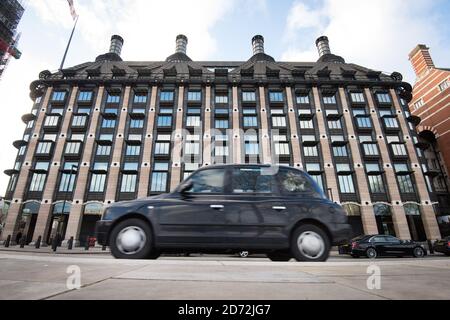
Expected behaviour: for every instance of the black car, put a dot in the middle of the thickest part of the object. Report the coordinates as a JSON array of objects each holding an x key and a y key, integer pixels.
[
  {"x": 442, "y": 246},
  {"x": 279, "y": 211},
  {"x": 373, "y": 246}
]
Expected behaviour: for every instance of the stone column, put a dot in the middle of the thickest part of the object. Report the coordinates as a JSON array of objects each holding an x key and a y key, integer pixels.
[
  {"x": 428, "y": 215},
  {"x": 398, "y": 214},
  {"x": 237, "y": 134},
  {"x": 175, "y": 175},
  {"x": 295, "y": 141},
  {"x": 264, "y": 134},
  {"x": 45, "y": 211},
  {"x": 76, "y": 211},
  {"x": 330, "y": 174},
  {"x": 207, "y": 138},
  {"x": 21, "y": 185},
  {"x": 114, "y": 169},
  {"x": 367, "y": 214},
  {"x": 144, "y": 176}
]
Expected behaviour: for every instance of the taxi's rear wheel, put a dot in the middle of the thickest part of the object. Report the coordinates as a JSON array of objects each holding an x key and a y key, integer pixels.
[
  {"x": 131, "y": 239},
  {"x": 310, "y": 243}
]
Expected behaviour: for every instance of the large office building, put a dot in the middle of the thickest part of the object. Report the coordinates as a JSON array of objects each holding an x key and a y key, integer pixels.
[
  {"x": 11, "y": 12},
  {"x": 431, "y": 102},
  {"x": 114, "y": 130}
]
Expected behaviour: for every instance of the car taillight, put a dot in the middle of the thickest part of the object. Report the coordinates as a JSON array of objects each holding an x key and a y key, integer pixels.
[
  {"x": 354, "y": 245},
  {"x": 448, "y": 244}
]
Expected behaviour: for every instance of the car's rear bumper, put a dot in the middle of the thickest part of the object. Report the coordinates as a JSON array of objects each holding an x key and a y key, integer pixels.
[
  {"x": 441, "y": 249},
  {"x": 102, "y": 229},
  {"x": 341, "y": 233}
]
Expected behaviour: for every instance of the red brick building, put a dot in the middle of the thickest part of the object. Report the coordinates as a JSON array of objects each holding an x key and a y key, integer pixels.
[{"x": 431, "y": 103}]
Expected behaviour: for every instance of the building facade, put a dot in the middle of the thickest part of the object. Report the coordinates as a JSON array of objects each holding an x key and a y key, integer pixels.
[
  {"x": 11, "y": 12},
  {"x": 112, "y": 130},
  {"x": 431, "y": 102}
]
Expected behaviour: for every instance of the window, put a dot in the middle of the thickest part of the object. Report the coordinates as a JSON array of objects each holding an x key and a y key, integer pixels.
[
  {"x": 252, "y": 180},
  {"x": 59, "y": 111},
  {"x": 221, "y": 111},
  {"x": 311, "y": 151},
  {"x": 250, "y": 121},
  {"x": 128, "y": 183},
  {"x": 281, "y": 146},
  {"x": 73, "y": 147},
  {"x": 337, "y": 139},
  {"x": 79, "y": 121},
  {"x": 364, "y": 122},
  {"x": 443, "y": 85},
  {"x": 293, "y": 182},
  {"x": 189, "y": 168},
  {"x": 67, "y": 182},
  {"x": 166, "y": 95},
  {"x": 192, "y": 148},
  {"x": 208, "y": 181},
  {"x": 329, "y": 99},
  {"x": 376, "y": 184},
  {"x": 342, "y": 167},
  {"x": 385, "y": 112},
  {"x": 85, "y": 96},
  {"x": 84, "y": 110},
  {"x": 221, "y": 151},
  {"x": 405, "y": 184},
  {"x": 132, "y": 150},
  {"x": 103, "y": 150},
  {"x": 335, "y": 124},
  {"x": 221, "y": 124},
  {"x": 359, "y": 112},
  {"x": 221, "y": 98},
  {"x": 165, "y": 120},
  {"x": 371, "y": 149},
  {"x": 384, "y": 98},
  {"x": 138, "y": 111},
  {"x": 136, "y": 124},
  {"x": 251, "y": 145},
  {"x": 30, "y": 124},
  {"x": 140, "y": 98},
  {"x": 22, "y": 150},
  {"x": 357, "y": 97},
  {"x": 346, "y": 184},
  {"x": 302, "y": 99},
  {"x": 318, "y": 179},
  {"x": 308, "y": 138},
  {"x": 194, "y": 96},
  {"x": 340, "y": 151},
  {"x": 279, "y": 122},
  {"x": 276, "y": 111},
  {"x": 111, "y": 111},
  {"x": 399, "y": 149},
  {"x": 108, "y": 123},
  {"x": 51, "y": 121},
  {"x": 304, "y": 112},
  {"x": 113, "y": 98},
  {"x": 248, "y": 111},
  {"x": 392, "y": 139},
  {"x": 134, "y": 137},
  {"x": 276, "y": 96},
  {"x": 59, "y": 96},
  {"x": 162, "y": 146},
  {"x": 97, "y": 182},
  {"x": 248, "y": 96},
  {"x": 106, "y": 137},
  {"x": 391, "y": 123},
  {"x": 306, "y": 124},
  {"x": 37, "y": 182},
  {"x": 159, "y": 177},
  {"x": 193, "y": 121},
  {"x": 44, "y": 147}
]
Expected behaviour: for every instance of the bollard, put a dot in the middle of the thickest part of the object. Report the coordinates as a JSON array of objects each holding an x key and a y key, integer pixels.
[
  {"x": 104, "y": 248},
  {"x": 86, "y": 246},
  {"x": 8, "y": 241},
  {"x": 70, "y": 243},
  {"x": 22, "y": 242},
  {"x": 38, "y": 242},
  {"x": 54, "y": 244},
  {"x": 430, "y": 247}
]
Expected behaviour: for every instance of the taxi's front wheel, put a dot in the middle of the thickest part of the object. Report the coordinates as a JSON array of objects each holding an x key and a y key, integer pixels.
[{"x": 131, "y": 239}]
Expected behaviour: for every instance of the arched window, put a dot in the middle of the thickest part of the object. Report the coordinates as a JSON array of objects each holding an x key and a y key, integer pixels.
[
  {"x": 412, "y": 209},
  {"x": 93, "y": 209},
  {"x": 31, "y": 208},
  {"x": 382, "y": 209},
  {"x": 352, "y": 209},
  {"x": 62, "y": 208}
]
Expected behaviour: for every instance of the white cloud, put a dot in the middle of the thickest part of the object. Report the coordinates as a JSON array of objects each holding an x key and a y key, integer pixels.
[{"x": 376, "y": 34}]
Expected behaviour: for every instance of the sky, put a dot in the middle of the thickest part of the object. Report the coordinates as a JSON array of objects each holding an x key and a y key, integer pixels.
[{"x": 377, "y": 34}]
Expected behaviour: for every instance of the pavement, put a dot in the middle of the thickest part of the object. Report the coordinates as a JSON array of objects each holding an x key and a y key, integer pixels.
[{"x": 35, "y": 276}]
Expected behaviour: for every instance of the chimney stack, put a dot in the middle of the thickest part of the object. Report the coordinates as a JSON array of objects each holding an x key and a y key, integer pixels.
[
  {"x": 258, "y": 44},
  {"x": 421, "y": 59},
  {"x": 323, "y": 46},
  {"x": 182, "y": 42},
  {"x": 116, "y": 45}
]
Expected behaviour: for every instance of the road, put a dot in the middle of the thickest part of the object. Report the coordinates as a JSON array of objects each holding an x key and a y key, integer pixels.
[{"x": 44, "y": 276}]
